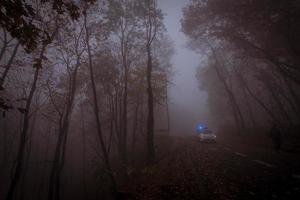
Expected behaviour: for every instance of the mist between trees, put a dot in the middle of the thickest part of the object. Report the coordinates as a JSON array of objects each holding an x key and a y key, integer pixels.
[
  {"x": 80, "y": 85},
  {"x": 83, "y": 82},
  {"x": 251, "y": 70}
]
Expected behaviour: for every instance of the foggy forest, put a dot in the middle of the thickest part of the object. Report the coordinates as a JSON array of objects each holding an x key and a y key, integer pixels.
[{"x": 149, "y": 99}]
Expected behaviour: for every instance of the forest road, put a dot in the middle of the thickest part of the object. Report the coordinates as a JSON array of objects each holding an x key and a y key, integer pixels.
[{"x": 195, "y": 170}]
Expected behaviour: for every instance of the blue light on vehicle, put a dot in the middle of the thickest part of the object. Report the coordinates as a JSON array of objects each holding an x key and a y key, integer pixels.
[{"x": 200, "y": 128}]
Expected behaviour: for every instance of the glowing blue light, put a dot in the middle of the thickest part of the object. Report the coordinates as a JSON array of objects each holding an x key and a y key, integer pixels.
[{"x": 200, "y": 127}]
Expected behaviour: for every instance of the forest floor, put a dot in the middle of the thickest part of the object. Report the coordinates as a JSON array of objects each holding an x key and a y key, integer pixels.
[{"x": 232, "y": 168}]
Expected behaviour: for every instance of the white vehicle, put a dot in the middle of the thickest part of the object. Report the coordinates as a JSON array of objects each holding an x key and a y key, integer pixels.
[{"x": 207, "y": 136}]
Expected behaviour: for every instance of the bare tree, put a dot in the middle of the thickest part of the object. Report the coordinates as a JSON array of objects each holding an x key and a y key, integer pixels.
[
  {"x": 152, "y": 27},
  {"x": 17, "y": 171},
  {"x": 96, "y": 107},
  {"x": 69, "y": 52}
]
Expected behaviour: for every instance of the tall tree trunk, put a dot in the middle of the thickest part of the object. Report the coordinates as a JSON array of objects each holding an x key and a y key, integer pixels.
[
  {"x": 41, "y": 187},
  {"x": 111, "y": 123},
  {"x": 16, "y": 174},
  {"x": 59, "y": 156},
  {"x": 84, "y": 184},
  {"x": 123, "y": 139},
  {"x": 96, "y": 112},
  {"x": 116, "y": 120},
  {"x": 52, "y": 182},
  {"x": 124, "y": 135},
  {"x": 23, "y": 185},
  {"x": 232, "y": 100},
  {"x": 142, "y": 118},
  {"x": 168, "y": 112},
  {"x": 150, "y": 119},
  {"x": 135, "y": 125},
  {"x": 5, "y": 148}
]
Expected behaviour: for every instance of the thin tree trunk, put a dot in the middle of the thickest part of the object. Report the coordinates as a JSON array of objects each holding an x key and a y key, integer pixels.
[
  {"x": 59, "y": 158},
  {"x": 142, "y": 117},
  {"x": 20, "y": 155},
  {"x": 96, "y": 112},
  {"x": 248, "y": 104},
  {"x": 111, "y": 123},
  {"x": 16, "y": 173},
  {"x": 235, "y": 107},
  {"x": 123, "y": 139},
  {"x": 51, "y": 191},
  {"x": 168, "y": 112},
  {"x": 40, "y": 187},
  {"x": 5, "y": 150},
  {"x": 135, "y": 124},
  {"x": 116, "y": 118},
  {"x": 83, "y": 154},
  {"x": 124, "y": 135},
  {"x": 27, "y": 159},
  {"x": 276, "y": 98},
  {"x": 8, "y": 65},
  {"x": 260, "y": 102},
  {"x": 281, "y": 67},
  {"x": 4, "y": 44},
  {"x": 150, "y": 119}
]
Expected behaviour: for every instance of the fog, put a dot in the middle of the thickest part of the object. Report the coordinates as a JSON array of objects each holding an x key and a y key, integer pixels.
[
  {"x": 149, "y": 99},
  {"x": 188, "y": 104}
]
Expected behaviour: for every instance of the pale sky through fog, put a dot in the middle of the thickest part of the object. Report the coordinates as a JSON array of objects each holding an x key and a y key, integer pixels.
[{"x": 188, "y": 102}]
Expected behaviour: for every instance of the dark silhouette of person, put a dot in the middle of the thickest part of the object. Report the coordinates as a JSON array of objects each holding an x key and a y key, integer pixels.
[{"x": 275, "y": 135}]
